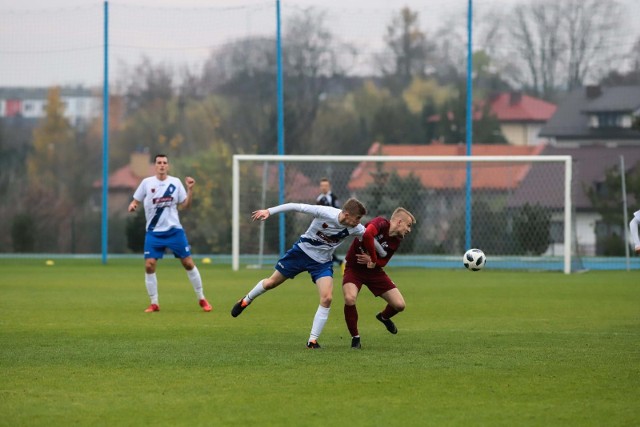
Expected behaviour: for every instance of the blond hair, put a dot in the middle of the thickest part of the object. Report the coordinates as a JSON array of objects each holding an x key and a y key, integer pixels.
[{"x": 403, "y": 211}]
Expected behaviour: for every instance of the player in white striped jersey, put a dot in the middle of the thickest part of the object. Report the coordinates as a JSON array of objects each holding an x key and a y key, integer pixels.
[
  {"x": 634, "y": 225},
  {"x": 161, "y": 195},
  {"x": 312, "y": 253}
]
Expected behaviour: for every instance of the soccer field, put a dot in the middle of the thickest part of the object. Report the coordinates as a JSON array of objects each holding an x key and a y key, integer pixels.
[{"x": 490, "y": 348}]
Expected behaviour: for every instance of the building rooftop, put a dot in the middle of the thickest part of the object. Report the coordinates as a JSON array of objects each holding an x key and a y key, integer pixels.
[
  {"x": 518, "y": 107},
  {"x": 446, "y": 175}
]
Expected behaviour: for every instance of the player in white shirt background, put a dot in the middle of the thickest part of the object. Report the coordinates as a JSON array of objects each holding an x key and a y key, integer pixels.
[
  {"x": 161, "y": 195},
  {"x": 634, "y": 225},
  {"x": 312, "y": 253}
]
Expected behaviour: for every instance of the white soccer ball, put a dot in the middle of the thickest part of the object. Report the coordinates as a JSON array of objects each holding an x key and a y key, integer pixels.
[{"x": 474, "y": 259}]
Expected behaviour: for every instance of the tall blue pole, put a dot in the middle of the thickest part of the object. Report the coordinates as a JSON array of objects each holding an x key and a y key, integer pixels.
[
  {"x": 280, "y": 126},
  {"x": 105, "y": 138},
  {"x": 469, "y": 127}
]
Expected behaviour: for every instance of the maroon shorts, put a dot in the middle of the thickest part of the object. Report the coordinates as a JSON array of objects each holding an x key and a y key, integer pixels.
[{"x": 377, "y": 281}]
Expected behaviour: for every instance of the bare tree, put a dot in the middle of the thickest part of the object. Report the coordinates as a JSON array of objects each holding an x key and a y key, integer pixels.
[
  {"x": 310, "y": 59},
  {"x": 635, "y": 57},
  {"x": 590, "y": 27},
  {"x": 562, "y": 44},
  {"x": 408, "y": 50},
  {"x": 538, "y": 41}
]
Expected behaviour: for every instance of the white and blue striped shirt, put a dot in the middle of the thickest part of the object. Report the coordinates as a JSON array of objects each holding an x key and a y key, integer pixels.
[{"x": 324, "y": 234}]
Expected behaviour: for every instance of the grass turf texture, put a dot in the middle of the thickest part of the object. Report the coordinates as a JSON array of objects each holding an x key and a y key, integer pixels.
[{"x": 488, "y": 348}]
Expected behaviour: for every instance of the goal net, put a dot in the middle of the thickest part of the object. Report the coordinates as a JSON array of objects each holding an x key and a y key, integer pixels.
[{"x": 517, "y": 209}]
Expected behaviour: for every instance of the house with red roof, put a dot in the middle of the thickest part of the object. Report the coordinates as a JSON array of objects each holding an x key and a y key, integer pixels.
[
  {"x": 435, "y": 191},
  {"x": 124, "y": 181},
  {"x": 445, "y": 175},
  {"x": 521, "y": 117}
]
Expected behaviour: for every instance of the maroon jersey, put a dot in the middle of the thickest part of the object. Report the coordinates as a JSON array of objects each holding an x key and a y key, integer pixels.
[{"x": 388, "y": 243}]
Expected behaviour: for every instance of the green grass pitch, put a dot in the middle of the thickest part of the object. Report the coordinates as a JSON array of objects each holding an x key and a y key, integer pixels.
[{"x": 492, "y": 348}]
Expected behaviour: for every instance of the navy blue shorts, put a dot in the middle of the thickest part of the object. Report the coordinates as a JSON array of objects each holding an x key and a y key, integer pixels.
[
  {"x": 295, "y": 261},
  {"x": 155, "y": 243}
]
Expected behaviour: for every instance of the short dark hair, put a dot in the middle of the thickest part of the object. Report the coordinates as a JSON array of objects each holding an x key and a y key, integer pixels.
[
  {"x": 354, "y": 207},
  {"x": 160, "y": 155}
]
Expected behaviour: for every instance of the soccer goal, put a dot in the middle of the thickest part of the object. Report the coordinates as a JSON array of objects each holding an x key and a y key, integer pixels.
[{"x": 517, "y": 209}]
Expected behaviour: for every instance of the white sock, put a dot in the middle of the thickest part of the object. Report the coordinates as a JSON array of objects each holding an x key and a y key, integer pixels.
[
  {"x": 152, "y": 286},
  {"x": 255, "y": 292},
  {"x": 322, "y": 314},
  {"x": 196, "y": 281}
]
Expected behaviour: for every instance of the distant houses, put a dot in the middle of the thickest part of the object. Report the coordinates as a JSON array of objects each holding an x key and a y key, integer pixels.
[
  {"x": 595, "y": 125},
  {"x": 81, "y": 105},
  {"x": 595, "y": 115},
  {"x": 521, "y": 117}
]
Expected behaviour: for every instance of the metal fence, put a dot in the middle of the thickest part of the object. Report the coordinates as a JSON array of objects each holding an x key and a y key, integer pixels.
[{"x": 200, "y": 84}]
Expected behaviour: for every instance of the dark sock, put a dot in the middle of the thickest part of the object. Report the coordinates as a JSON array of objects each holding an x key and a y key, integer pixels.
[
  {"x": 351, "y": 317},
  {"x": 389, "y": 312}
]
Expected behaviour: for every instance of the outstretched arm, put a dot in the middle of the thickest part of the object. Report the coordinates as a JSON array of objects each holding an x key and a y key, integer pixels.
[{"x": 261, "y": 215}]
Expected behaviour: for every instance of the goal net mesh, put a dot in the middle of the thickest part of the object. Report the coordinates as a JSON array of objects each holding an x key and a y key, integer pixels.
[{"x": 517, "y": 208}]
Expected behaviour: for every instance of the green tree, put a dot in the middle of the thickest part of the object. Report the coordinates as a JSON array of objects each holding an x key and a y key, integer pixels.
[
  {"x": 53, "y": 149},
  {"x": 337, "y": 129},
  {"x": 55, "y": 174},
  {"x": 389, "y": 191},
  {"x": 242, "y": 75},
  {"x": 23, "y": 233},
  {"x": 532, "y": 229},
  {"x": 605, "y": 198},
  {"x": 208, "y": 220},
  {"x": 489, "y": 230},
  {"x": 14, "y": 147},
  {"x": 154, "y": 114},
  {"x": 136, "y": 231},
  {"x": 394, "y": 124},
  {"x": 452, "y": 124}
]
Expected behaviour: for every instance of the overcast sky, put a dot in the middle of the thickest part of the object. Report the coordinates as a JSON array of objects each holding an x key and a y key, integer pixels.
[{"x": 45, "y": 42}]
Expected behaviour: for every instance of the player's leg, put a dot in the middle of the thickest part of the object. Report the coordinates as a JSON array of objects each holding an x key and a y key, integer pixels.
[
  {"x": 179, "y": 244},
  {"x": 153, "y": 251},
  {"x": 151, "y": 283},
  {"x": 287, "y": 267},
  {"x": 196, "y": 282},
  {"x": 264, "y": 285},
  {"x": 325, "y": 292},
  {"x": 381, "y": 285},
  {"x": 395, "y": 304},
  {"x": 350, "y": 293}
]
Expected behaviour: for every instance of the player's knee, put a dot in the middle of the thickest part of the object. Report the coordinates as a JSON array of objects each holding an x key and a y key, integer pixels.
[
  {"x": 150, "y": 266},
  {"x": 399, "y": 306},
  {"x": 325, "y": 300},
  {"x": 350, "y": 300},
  {"x": 268, "y": 284}
]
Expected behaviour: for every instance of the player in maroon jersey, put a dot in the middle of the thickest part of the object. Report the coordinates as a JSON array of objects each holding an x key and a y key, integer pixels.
[{"x": 364, "y": 269}]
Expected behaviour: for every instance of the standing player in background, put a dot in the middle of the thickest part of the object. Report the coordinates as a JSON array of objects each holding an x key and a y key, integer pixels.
[
  {"x": 161, "y": 196},
  {"x": 327, "y": 198},
  {"x": 363, "y": 269},
  {"x": 312, "y": 253},
  {"x": 633, "y": 226}
]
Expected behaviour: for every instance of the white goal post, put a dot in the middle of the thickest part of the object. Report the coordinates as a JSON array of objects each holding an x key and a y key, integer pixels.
[{"x": 529, "y": 195}]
